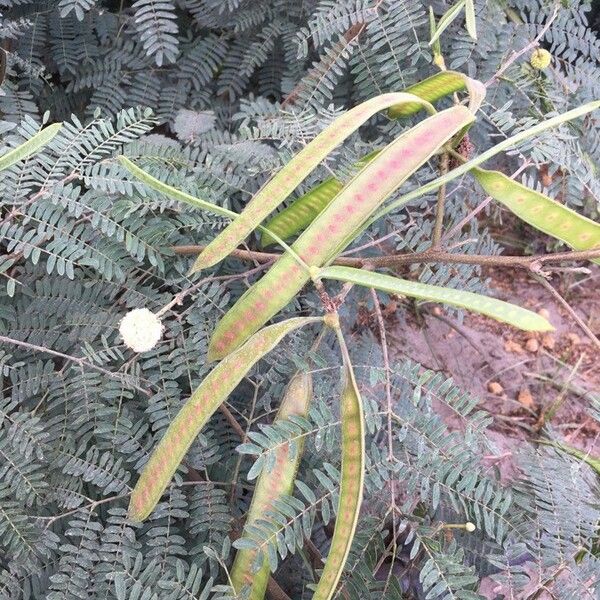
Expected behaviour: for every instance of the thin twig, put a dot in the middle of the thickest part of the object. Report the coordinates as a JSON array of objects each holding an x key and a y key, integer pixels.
[
  {"x": 440, "y": 205},
  {"x": 77, "y": 360},
  {"x": 569, "y": 309},
  {"x": 391, "y": 260},
  {"x": 518, "y": 53}
]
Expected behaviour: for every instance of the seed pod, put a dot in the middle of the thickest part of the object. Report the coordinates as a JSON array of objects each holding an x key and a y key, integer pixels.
[
  {"x": 281, "y": 185},
  {"x": 169, "y": 190},
  {"x": 31, "y": 146},
  {"x": 435, "y": 88},
  {"x": 350, "y": 208},
  {"x": 214, "y": 390},
  {"x": 305, "y": 209},
  {"x": 540, "y": 211},
  {"x": 270, "y": 486},
  {"x": 351, "y": 481},
  {"x": 496, "y": 309}
]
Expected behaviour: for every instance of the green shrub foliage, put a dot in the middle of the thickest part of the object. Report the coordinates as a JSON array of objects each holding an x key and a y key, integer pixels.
[{"x": 211, "y": 96}]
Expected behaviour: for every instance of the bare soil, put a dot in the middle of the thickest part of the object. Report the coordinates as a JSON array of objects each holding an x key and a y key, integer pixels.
[{"x": 523, "y": 379}]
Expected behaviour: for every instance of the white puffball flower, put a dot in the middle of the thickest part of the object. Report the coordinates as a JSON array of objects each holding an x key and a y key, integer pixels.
[{"x": 141, "y": 329}]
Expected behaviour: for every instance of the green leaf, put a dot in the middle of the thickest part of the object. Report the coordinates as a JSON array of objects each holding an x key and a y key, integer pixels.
[
  {"x": 272, "y": 485},
  {"x": 31, "y": 146},
  {"x": 283, "y": 183},
  {"x": 496, "y": 309},
  {"x": 211, "y": 393},
  {"x": 322, "y": 240},
  {"x": 351, "y": 483},
  {"x": 540, "y": 211}
]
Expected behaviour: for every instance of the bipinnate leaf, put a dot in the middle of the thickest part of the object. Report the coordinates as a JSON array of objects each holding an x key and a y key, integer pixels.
[
  {"x": 540, "y": 211},
  {"x": 272, "y": 485},
  {"x": 305, "y": 209},
  {"x": 31, "y": 146},
  {"x": 351, "y": 482},
  {"x": 322, "y": 240},
  {"x": 491, "y": 307},
  {"x": 283, "y": 183},
  {"x": 213, "y": 390}
]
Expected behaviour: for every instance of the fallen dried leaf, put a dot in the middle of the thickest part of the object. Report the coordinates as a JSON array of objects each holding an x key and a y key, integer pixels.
[
  {"x": 544, "y": 312},
  {"x": 525, "y": 398},
  {"x": 495, "y": 388},
  {"x": 549, "y": 341},
  {"x": 514, "y": 347}
]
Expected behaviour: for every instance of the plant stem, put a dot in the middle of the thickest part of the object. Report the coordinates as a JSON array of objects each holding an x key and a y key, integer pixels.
[
  {"x": 533, "y": 263},
  {"x": 441, "y": 201},
  {"x": 570, "y": 310}
]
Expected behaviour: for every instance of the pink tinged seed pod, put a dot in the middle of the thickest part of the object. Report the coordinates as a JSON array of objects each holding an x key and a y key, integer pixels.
[
  {"x": 270, "y": 195},
  {"x": 441, "y": 126},
  {"x": 176, "y": 441},
  {"x": 272, "y": 486}
]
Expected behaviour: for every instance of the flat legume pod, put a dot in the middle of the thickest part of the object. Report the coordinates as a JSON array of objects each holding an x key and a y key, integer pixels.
[
  {"x": 283, "y": 183},
  {"x": 350, "y": 208},
  {"x": 351, "y": 482},
  {"x": 270, "y": 486},
  {"x": 492, "y": 307},
  {"x": 31, "y": 146},
  {"x": 305, "y": 209},
  {"x": 214, "y": 390},
  {"x": 540, "y": 211}
]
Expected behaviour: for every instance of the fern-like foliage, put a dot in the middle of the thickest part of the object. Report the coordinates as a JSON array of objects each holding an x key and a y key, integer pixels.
[{"x": 211, "y": 97}]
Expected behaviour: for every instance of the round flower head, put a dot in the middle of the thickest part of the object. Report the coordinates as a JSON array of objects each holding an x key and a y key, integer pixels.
[
  {"x": 140, "y": 329},
  {"x": 540, "y": 59}
]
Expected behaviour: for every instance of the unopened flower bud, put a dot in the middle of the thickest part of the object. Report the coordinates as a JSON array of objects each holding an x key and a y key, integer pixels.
[{"x": 540, "y": 59}]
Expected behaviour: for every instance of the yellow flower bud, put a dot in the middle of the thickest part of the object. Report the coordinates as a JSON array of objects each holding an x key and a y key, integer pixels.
[{"x": 540, "y": 59}]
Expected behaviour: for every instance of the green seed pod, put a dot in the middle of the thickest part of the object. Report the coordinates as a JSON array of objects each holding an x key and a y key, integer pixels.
[
  {"x": 540, "y": 211},
  {"x": 270, "y": 486},
  {"x": 496, "y": 309},
  {"x": 31, "y": 146},
  {"x": 169, "y": 190},
  {"x": 283, "y": 183},
  {"x": 540, "y": 59},
  {"x": 305, "y": 209},
  {"x": 350, "y": 208},
  {"x": 214, "y": 390},
  {"x": 351, "y": 481},
  {"x": 435, "y": 88}
]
